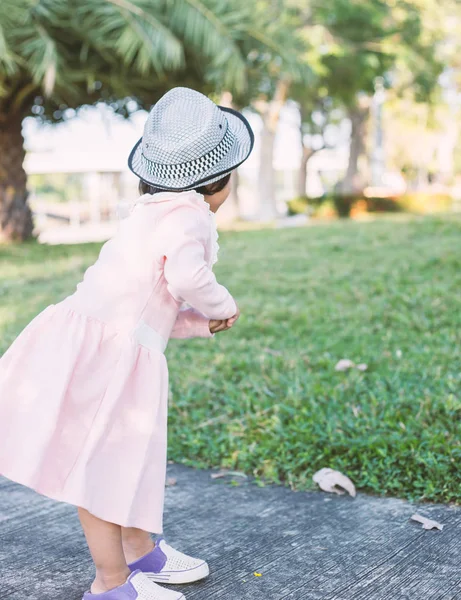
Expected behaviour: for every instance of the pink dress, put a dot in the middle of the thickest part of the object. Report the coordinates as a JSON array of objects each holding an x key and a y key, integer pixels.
[{"x": 84, "y": 388}]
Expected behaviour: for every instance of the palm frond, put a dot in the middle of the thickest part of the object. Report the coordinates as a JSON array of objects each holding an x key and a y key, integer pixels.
[
  {"x": 7, "y": 59},
  {"x": 131, "y": 31},
  {"x": 13, "y": 15},
  {"x": 210, "y": 28},
  {"x": 41, "y": 55},
  {"x": 85, "y": 51}
]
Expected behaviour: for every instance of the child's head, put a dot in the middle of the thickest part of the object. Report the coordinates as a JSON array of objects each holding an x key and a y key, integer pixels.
[{"x": 190, "y": 143}]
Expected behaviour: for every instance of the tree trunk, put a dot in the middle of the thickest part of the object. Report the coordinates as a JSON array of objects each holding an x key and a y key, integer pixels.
[
  {"x": 15, "y": 215},
  {"x": 302, "y": 177},
  {"x": 266, "y": 176},
  {"x": 270, "y": 113},
  {"x": 355, "y": 180}
]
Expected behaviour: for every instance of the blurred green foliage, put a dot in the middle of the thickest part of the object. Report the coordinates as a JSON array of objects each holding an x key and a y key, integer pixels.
[{"x": 413, "y": 202}]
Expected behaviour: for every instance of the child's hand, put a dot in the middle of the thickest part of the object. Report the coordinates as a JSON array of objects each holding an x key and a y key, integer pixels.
[
  {"x": 231, "y": 322},
  {"x": 216, "y": 326}
]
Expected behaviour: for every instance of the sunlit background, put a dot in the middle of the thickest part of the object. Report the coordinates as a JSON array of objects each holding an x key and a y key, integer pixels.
[{"x": 355, "y": 105}]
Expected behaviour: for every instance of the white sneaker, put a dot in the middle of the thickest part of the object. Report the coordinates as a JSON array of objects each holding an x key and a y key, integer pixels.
[
  {"x": 166, "y": 565},
  {"x": 137, "y": 587}
]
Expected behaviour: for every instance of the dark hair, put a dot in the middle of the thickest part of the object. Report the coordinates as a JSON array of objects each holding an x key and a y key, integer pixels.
[{"x": 206, "y": 190}]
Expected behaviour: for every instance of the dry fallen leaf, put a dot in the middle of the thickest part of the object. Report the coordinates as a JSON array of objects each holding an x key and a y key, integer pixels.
[
  {"x": 330, "y": 480},
  {"x": 218, "y": 475},
  {"x": 344, "y": 364},
  {"x": 222, "y": 474},
  {"x": 356, "y": 410},
  {"x": 427, "y": 523},
  {"x": 170, "y": 481}
]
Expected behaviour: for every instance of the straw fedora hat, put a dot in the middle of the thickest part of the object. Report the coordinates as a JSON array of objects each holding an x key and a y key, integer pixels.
[{"x": 189, "y": 141}]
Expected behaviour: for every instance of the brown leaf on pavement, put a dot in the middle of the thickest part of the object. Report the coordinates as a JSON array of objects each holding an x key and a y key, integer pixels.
[
  {"x": 426, "y": 523},
  {"x": 333, "y": 481},
  {"x": 222, "y": 474}
]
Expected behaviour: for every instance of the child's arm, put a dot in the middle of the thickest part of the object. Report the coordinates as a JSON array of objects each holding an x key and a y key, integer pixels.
[
  {"x": 191, "y": 323},
  {"x": 184, "y": 234}
]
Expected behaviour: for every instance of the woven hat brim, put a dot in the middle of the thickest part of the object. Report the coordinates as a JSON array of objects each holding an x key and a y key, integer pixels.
[{"x": 239, "y": 151}]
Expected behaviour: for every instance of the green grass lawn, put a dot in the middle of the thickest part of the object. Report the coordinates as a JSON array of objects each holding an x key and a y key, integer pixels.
[{"x": 265, "y": 398}]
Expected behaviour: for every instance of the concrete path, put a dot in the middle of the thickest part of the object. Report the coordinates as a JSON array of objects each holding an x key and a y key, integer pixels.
[{"x": 306, "y": 546}]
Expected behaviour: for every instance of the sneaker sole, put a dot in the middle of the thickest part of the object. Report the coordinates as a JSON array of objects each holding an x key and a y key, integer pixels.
[{"x": 178, "y": 577}]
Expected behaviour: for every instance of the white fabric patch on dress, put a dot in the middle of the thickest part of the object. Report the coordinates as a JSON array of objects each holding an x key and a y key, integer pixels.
[{"x": 149, "y": 338}]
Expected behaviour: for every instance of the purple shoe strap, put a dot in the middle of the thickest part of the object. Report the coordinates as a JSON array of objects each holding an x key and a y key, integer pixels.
[
  {"x": 123, "y": 592},
  {"x": 152, "y": 562}
]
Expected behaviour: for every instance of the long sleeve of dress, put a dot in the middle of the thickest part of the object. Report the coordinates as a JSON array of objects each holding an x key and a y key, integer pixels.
[
  {"x": 185, "y": 232},
  {"x": 191, "y": 323}
]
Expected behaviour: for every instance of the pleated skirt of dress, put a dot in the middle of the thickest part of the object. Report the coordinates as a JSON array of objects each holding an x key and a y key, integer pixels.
[{"x": 83, "y": 418}]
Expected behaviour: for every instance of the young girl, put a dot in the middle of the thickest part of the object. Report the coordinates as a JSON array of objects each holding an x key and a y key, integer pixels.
[{"x": 84, "y": 389}]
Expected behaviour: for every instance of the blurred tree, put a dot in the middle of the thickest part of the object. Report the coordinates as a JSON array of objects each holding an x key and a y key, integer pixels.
[
  {"x": 367, "y": 40},
  {"x": 274, "y": 67},
  {"x": 423, "y": 138},
  {"x": 56, "y": 55},
  {"x": 269, "y": 107},
  {"x": 273, "y": 51},
  {"x": 319, "y": 118}
]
